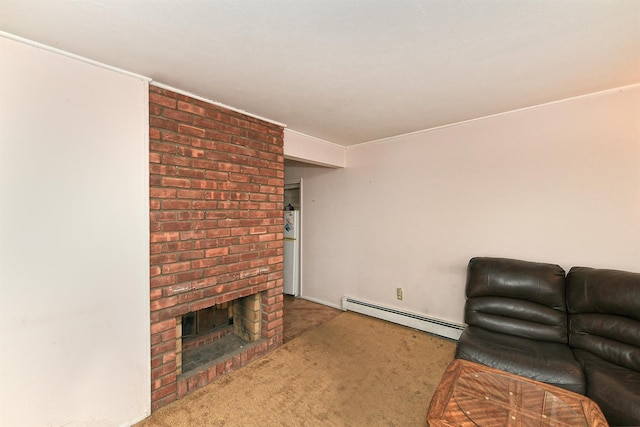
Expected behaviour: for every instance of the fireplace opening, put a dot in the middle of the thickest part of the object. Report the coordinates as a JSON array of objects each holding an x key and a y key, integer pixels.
[
  {"x": 199, "y": 324},
  {"x": 216, "y": 333}
]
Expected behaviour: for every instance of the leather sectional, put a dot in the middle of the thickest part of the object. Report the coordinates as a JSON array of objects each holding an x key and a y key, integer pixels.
[{"x": 579, "y": 331}]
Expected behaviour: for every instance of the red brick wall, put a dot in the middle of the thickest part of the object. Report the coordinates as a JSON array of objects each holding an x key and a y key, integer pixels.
[{"x": 216, "y": 200}]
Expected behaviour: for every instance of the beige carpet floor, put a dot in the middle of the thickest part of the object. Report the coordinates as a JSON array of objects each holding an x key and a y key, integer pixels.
[{"x": 351, "y": 371}]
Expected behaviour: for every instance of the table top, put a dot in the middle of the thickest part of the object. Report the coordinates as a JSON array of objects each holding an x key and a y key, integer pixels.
[{"x": 471, "y": 394}]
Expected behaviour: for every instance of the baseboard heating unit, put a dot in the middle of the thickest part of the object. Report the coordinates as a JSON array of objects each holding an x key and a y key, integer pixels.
[{"x": 405, "y": 318}]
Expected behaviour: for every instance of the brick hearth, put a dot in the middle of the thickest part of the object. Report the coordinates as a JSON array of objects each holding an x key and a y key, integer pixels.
[{"x": 216, "y": 200}]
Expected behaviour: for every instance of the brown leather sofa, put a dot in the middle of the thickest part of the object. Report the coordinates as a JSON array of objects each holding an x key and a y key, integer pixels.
[{"x": 580, "y": 332}]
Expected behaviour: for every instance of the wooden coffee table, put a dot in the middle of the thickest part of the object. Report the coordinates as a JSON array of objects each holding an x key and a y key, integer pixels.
[{"x": 471, "y": 394}]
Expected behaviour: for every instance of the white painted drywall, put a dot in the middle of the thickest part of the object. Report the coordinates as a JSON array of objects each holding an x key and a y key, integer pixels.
[
  {"x": 74, "y": 270},
  {"x": 557, "y": 183},
  {"x": 305, "y": 148}
]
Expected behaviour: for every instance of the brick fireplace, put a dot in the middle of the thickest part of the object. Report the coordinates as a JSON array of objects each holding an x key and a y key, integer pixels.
[{"x": 216, "y": 201}]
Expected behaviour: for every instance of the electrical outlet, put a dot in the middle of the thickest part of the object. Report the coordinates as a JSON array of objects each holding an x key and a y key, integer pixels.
[{"x": 399, "y": 293}]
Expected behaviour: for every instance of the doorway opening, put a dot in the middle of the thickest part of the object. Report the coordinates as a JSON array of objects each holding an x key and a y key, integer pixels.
[
  {"x": 292, "y": 238},
  {"x": 292, "y": 196}
]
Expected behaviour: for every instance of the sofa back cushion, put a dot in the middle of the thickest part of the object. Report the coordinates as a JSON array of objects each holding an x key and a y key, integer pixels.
[
  {"x": 604, "y": 314},
  {"x": 520, "y": 298}
]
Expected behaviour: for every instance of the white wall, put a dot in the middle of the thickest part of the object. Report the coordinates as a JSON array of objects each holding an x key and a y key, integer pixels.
[
  {"x": 74, "y": 303},
  {"x": 557, "y": 183},
  {"x": 301, "y": 147}
]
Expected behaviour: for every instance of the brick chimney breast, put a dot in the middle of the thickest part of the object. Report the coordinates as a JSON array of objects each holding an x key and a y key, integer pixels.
[{"x": 216, "y": 192}]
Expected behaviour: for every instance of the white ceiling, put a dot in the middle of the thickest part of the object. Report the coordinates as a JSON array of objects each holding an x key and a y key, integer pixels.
[{"x": 351, "y": 71}]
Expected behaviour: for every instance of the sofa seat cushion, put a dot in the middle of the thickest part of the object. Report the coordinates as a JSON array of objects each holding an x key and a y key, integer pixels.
[
  {"x": 549, "y": 362},
  {"x": 614, "y": 388}
]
